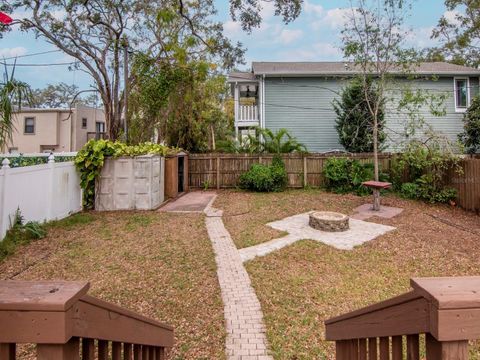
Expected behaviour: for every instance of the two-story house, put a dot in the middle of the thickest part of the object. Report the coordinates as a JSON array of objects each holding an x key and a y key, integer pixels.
[
  {"x": 57, "y": 130},
  {"x": 298, "y": 96}
]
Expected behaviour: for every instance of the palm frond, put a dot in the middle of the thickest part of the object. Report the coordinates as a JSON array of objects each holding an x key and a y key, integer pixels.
[{"x": 12, "y": 94}]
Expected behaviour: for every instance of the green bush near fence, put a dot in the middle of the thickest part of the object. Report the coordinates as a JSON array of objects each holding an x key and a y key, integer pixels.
[
  {"x": 265, "y": 178},
  {"x": 419, "y": 173},
  {"x": 344, "y": 175},
  {"x": 20, "y": 233}
]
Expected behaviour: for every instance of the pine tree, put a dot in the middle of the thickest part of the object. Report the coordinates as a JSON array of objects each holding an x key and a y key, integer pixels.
[{"x": 354, "y": 122}]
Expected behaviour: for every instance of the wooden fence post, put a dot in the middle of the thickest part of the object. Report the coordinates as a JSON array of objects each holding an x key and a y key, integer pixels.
[
  {"x": 218, "y": 172},
  {"x": 4, "y": 171},
  {"x": 305, "y": 174}
]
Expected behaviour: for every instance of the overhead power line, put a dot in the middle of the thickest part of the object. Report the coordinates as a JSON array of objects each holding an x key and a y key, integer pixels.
[
  {"x": 46, "y": 64},
  {"x": 29, "y": 55}
]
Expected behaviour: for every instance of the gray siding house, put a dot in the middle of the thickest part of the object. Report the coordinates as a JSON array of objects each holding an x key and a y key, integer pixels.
[{"x": 298, "y": 96}]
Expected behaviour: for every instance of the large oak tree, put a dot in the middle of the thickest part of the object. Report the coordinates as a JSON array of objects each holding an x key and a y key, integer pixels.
[{"x": 95, "y": 32}]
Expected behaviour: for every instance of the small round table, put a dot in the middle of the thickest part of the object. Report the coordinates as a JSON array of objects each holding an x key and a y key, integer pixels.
[{"x": 376, "y": 186}]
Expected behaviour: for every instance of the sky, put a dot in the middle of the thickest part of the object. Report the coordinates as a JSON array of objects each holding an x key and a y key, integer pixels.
[{"x": 314, "y": 36}]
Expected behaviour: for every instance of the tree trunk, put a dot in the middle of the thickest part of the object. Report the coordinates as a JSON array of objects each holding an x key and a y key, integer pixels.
[
  {"x": 213, "y": 137},
  {"x": 375, "y": 148}
]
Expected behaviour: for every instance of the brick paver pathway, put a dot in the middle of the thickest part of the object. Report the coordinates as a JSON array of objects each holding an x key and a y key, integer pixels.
[{"x": 246, "y": 337}]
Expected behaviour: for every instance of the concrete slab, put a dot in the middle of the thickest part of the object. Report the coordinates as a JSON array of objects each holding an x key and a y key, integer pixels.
[
  {"x": 366, "y": 211},
  {"x": 195, "y": 201},
  {"x": 298, "y": 229}
]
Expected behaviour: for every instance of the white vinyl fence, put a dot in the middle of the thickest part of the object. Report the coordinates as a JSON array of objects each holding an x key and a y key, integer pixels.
[{"x": 41, "y": 192}]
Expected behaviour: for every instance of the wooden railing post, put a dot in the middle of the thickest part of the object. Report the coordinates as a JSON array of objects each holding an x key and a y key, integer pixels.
[
  {"x": 372, "y": 349},
  {"x": 102, "y": 350},
  {"x": 413, "y": 347},
  {"x": 88, "y": 349},
  {"x": 8, "y": 351},
  {"x": 68, "y": 351},
  {"x": 116, "y": 350},
  {"x": 127, "y": 351},
  {"x": 384, "y": 348},
  {"x": 446, "y": 350},
  {"x": 397, "y": 348}
]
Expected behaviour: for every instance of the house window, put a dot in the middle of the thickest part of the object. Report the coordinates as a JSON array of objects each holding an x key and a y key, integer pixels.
[
  {"x": 462, "y": 94},
  {"x": 100, "y": 127},
  {"x": 29, "y": 127},
  {"x": 84, "y": 123}
]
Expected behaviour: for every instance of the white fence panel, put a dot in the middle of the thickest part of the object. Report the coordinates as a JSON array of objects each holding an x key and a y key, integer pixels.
[{"x": 41, "y": 192}]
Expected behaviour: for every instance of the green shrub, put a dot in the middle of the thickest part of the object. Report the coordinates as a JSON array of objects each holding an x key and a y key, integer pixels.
[
  {"x": 265, "y": 178},
  {"x": 279, "y": 174},
  {"x": 409, "y": 190},
  {"x": 419, "y": 172},
  {"x": 343, "y": 175},
  {"x": 20, "y": 234},
  {"x": 422, "y": 190},
  {"x": 337, "y": 175}
]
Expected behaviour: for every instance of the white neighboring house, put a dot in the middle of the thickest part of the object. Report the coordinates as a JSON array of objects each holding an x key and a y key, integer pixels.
[{"x": 55, "y": 129}]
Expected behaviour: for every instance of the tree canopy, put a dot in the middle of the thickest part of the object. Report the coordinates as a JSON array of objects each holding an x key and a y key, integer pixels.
[
  {"x": 96, "y": 32},
  {"x": 459, "y": 33},
  {"x": 61, "y": 95}
]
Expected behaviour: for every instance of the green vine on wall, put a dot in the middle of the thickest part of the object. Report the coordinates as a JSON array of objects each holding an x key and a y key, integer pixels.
[{"x": 90, "y": 159}]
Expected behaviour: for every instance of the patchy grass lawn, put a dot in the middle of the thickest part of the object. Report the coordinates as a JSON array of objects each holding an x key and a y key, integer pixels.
[
  {"x": 161, "y": 265},
  {"x": 302, "y": 285}
]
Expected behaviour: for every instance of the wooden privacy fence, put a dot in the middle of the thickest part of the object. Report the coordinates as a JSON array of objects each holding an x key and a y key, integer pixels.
[
  {"x": 67, "y": 324},
  {"x": 223, "y": 170},
  {"x": 437, "y": 319},
  {"x": 467, "y": 184},
  {"x": 220, "y": 171}
]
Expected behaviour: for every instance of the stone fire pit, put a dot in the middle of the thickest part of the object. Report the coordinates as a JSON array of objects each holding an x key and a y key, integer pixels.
[{"x": 329, "y": 221}]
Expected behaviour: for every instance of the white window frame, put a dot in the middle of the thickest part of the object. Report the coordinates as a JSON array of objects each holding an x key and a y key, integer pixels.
[
  {"x": 457, "y": 108},
  {"x": 25, "y": 125}
]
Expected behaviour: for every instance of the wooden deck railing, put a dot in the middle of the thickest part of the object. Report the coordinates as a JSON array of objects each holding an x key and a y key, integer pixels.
[
  {"x": 445, "y": 310},
  {"x": 66, "y": 323}
]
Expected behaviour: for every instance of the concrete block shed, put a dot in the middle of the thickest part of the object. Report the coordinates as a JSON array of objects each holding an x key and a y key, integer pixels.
[{"x": 131, "y": 183}]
